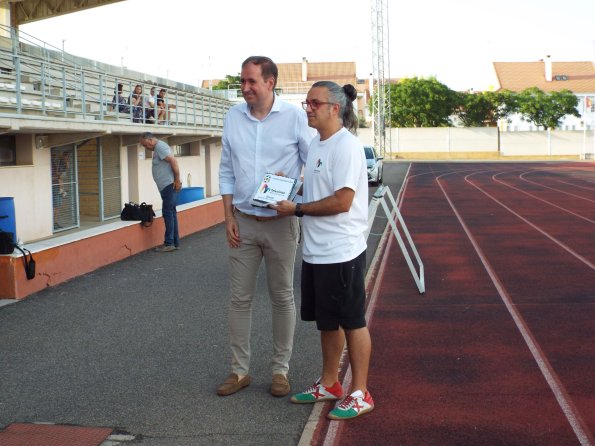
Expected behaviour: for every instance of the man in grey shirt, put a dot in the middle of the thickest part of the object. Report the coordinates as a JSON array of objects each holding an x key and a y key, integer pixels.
[{"x": 166, "y": 174}]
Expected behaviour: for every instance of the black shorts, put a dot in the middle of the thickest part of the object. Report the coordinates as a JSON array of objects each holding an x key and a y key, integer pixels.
[{"x": 334, "y": 295}]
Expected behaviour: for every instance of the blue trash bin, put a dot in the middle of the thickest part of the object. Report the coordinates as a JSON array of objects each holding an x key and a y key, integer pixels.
[
  {"x": 188, "y": 194},
  {"x": 7, "y": 218}
]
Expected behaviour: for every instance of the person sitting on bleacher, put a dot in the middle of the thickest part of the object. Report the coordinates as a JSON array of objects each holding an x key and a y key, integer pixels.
[
  {"x": 149, "y": 106},
  {"x": 164, "y": 108},
  {"x": 119, "y": 102},
  {"x": 136, "y": 101}
]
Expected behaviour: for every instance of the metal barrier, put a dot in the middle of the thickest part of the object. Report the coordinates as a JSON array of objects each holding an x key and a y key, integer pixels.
[
  {"x": 36, "y": 84},
  {"x": 395, "y": 217}
]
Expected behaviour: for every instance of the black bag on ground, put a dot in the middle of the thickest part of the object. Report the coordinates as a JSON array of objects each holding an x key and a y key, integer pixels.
[
  {"x": 142, "y": 212},
  {"x": 6, "y": 242}
]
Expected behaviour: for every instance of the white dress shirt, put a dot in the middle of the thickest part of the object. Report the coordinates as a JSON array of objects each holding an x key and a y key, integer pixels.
[{"x": 252, "y": 148}]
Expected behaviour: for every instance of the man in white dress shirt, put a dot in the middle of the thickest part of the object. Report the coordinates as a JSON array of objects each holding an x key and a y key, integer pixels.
[{"x": 262, "y": 135}]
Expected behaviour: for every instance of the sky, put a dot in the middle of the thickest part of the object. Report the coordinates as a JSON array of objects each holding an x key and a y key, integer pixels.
[{"x": 455, "y": 41}]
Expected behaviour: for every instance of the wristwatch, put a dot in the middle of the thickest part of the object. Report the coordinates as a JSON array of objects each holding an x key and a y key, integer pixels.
[{"x": 298, "y": 210}]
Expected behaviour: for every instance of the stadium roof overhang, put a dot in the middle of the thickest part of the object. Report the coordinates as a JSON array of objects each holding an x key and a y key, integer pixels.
[{"x": 27, "y": 11}]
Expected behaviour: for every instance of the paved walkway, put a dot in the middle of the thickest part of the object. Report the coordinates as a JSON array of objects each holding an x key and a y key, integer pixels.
[{"x": 140, "y": 346}]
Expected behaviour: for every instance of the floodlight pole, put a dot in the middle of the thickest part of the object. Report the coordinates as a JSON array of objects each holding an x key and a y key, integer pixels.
[{"x": 381, "y": 74}]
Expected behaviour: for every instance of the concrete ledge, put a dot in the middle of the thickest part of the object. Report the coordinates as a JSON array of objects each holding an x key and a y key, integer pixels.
[{"x": 61, "y": 258}]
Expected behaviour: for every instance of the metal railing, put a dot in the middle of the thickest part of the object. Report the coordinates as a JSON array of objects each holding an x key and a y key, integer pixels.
[{"x": 39, "y": 81}]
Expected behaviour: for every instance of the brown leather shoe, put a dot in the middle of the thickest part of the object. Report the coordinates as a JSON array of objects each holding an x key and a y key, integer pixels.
[
  {"x": 280, "y": 385},
  {"x": 232, "y": 385}
]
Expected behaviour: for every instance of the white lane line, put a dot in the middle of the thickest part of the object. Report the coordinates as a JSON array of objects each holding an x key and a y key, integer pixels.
[
  {"x": 576, "y": 185},
  {"x": 523, "y": 177},
  {"x": 570, "y": 411},
  {"x": 537, "y": 228},
  {"x": 494, "y": 177}
]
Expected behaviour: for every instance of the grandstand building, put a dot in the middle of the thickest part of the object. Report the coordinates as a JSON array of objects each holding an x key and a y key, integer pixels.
[{"x": 70, "y": 158}]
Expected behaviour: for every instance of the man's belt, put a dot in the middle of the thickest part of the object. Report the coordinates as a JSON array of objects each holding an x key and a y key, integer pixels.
[{"x": 256, "y": 217}]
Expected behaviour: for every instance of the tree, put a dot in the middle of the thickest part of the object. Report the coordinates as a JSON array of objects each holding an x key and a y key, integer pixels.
[
  {"x": 485, "y": 109},
  {"x": 546, "y": 110},
  {"x": 229, "y": 81},
  {"x": 417, "y": 102}
]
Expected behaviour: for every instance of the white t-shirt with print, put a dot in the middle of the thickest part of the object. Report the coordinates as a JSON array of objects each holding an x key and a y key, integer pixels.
[{"x": 334, "y": 164}]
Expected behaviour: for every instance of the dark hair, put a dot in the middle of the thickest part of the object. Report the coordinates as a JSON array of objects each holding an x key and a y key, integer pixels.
[
  {"x": 147, "y": 135},
  {"x": 267, "y": 67},
  {"x": 344, "y": 96}
]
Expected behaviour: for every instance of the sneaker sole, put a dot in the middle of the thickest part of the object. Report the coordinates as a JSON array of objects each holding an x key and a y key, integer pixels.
[
  {"x": 319, "y": 400},
  {"x": 363, "y": 412}
]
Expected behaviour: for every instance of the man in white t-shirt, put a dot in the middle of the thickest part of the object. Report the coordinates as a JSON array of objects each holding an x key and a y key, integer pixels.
[{"x": 335, "y": 219}]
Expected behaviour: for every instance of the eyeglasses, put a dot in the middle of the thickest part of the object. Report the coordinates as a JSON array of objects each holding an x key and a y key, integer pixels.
[{"x": 315, "y": 104}]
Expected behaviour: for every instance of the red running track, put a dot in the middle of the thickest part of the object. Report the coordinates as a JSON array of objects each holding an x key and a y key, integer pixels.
[{"x": 500, "y": 350}]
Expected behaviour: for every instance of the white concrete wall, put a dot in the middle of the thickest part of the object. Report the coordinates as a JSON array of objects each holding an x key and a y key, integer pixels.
[
  {"x": 554, "y": 143},
  {"x": 193, "y": 165},
  {"x": 485, "y": 139},
  {"x": 31, "y": 188},
  {"x": 366, "y": 136},
  {"x": 214, "y": 159},
  {"x": 440, "y": 139}
]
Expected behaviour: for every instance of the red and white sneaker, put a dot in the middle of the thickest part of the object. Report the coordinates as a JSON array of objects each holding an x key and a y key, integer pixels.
[
  {"x": 353, "y": 406},
  {"x": 318, "y": 392}
]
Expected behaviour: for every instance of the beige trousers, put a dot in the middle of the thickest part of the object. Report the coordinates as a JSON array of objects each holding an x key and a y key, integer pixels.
[{"x": 276, "y": 242}]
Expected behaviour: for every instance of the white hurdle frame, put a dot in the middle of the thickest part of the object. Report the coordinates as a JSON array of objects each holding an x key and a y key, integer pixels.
[{"x": 379, "y": 198}]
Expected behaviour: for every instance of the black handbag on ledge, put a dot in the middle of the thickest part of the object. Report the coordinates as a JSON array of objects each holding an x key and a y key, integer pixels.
[
  {"x": 28, "y": 263},
  {"x": 7, "y": 246},
  {"x": 142, "y": 212}
]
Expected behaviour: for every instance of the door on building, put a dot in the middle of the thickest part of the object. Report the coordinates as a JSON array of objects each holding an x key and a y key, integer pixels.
[
  {"x": 99, "y": 179},
  {"x": 64, "y": 188},
  {"x": 86, "y": 183}
]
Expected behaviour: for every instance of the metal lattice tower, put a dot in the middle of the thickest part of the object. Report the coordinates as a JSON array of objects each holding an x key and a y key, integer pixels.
[{"x": 380, "y": 76}]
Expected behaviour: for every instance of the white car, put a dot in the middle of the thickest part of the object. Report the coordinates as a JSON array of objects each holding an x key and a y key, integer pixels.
[{"x": 374, "y": 163}]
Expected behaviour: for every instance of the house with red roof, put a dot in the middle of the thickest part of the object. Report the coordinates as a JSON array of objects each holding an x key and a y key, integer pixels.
[
  {"x": 296, "y": 78},
  {"x": 549, "y": 76}
]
